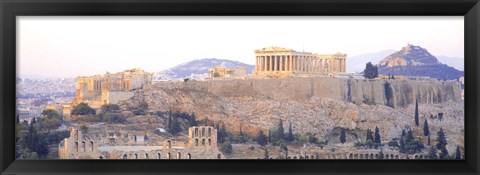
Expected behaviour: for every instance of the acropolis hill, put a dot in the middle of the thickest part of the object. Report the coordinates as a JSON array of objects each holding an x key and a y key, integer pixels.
[
  {"x": 312, "y": 105},
  {"x": 312, "y": 92}
]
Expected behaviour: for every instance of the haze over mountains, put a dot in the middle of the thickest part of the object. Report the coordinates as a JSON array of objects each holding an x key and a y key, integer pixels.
[{"x": 355, "y": 64}]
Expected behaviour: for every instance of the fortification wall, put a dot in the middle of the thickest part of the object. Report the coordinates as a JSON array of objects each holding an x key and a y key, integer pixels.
[{"x": 404, "y": 92}]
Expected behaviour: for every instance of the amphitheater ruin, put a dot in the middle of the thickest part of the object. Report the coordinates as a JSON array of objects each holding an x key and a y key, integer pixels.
[{"x": 201, "y": 144}]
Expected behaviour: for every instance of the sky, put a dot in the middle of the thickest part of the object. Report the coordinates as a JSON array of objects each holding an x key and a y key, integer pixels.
[{"x": 66, "y": 46}]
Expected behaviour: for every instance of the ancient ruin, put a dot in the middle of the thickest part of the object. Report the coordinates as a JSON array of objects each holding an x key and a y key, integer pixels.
[
  {"x": 222, "y": 71},
  {"x": 201, "y": 144},
  {"x": 110, "y": 88},
  {"x": 277, "y": 61}
]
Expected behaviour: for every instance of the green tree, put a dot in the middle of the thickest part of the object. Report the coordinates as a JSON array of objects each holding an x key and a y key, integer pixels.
[
  {"x": 110, "y": 108},
  {"x": 261, "y": 138},
  {"x": 278, "y": 134},
  {"x": 265, "y": 155},
  {"x": 442, "y": 143},
  {"x": 426, "y": 131},
  {"x": 401, "y": 145},
  {"x": 380, "y": 155},
  {"x": 416, "y": 112},
  {"x": 342, "y": 135},
  {"x": 457, "y": 153},
  {"x": 432, "y": 153},
  {"x": 83, "y": 109},
  {"x": 377, "y": 135},
  {"x": 17, "y": 119},
  {"x": 290, "y": 136},
  {"x": 226, "y": 147},
  {"x": 192, "y": 120},
  {"x": 369, "y": 135},
  {"x": 175, "y": 127},
  {"x": 370, "y": 71}
]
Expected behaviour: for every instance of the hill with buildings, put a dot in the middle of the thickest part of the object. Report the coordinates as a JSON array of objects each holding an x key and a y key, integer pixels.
[
  {"x": 198, "y": 69},
  {"x": 416, "y": 61}
]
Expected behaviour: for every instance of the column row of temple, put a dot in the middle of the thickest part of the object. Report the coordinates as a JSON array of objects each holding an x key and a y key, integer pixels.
[{"x": 298, "y": 63}]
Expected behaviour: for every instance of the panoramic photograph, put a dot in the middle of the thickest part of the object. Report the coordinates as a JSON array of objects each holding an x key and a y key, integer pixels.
[{"x": 191, "y": 87}]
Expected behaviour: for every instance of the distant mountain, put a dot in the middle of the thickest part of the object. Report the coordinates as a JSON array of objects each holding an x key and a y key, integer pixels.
[
  {"x": 357, "y": 63},
  {"x": 198, "y": 68},
  {"x": 416, "y": 61},
  {"x": 455, "y": 62}
]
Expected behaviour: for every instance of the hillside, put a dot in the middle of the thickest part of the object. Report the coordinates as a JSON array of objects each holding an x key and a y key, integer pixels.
[
  {"x": 416, "y": 61},
  {"x": 198, "y": 68}
]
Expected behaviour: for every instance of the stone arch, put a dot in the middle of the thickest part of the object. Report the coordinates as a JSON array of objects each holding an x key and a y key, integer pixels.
[
  {"x": 203, "y": 132},
  {"x": 189, "y": 156},
  {"x": 289, "y": 157},
  {"x": 196, "y": 142},
  {"x": 361, "y": 156},
  {"x": 179, "y": 155},
  {"x": 209, "y": 133},
  {"x": 366, "y": 156},
  {"x": 397, "y": 157},
  {"x": 376, "y": 156},
  {"x": 306, "y": 157},
  {"x": 294, "y": 157},
  {"x": 356, "y": 156},
  {"x": 135, "y": 156},
  {"x": 169, "y": 144},
  {"x": 371, "y": 156},
  {"x": 391, "y": 156},
  {"x": 421, "y": 156},
  {"x": 168, "y": 156},
  {"x": 387, "y": 156},
  {"x": 76, "y": 147},
  {"x": 159, "y": 156},
  {"x": 416, "y": 156},
  {"x": 100, "y": 157},
  {"x": 83, "y": 146},
  {"x": 196, "y": 132},
  {"x": 350, "y": 156},
  {"x": 203, "y": 142},
  {"x": 312, "y": 156},
  {"x": 125, "y": 156},
  {"x": 219, "y": 156},
  {"x": 146, "y": 155},
  {"x": 209, "y": 142}
]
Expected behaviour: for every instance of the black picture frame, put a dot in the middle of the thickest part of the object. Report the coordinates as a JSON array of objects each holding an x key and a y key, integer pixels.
[{"x": 9, "y": 9}]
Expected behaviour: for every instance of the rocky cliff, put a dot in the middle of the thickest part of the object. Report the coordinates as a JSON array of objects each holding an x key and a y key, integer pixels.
[{"x": 312, "y": 105}]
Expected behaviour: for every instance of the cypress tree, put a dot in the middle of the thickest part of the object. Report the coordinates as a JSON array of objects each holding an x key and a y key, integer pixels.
[
  {"x": 442, "y": 143},
  {"x": 17, "y": 119},
  {"x": 402, "y": 144},
  {"x": 261, "y": 138},
  {"x": 377, "y": 135},
  {"x": 426, "y": 131},
  {"x": 380, "y": 155},
  {"x": 428, "y": 140},
  {"x": 266, "y": 156},
  {"x": 342, "y": 135},
  {"x": 416, "y": 112},
  {"x": 290, "y": 136},
  {"x": 369, "y": 135},
  {"x": 279, "y": 133},
  {"x": 432, "y": 153},
  {"x": 457, "y": 153}
]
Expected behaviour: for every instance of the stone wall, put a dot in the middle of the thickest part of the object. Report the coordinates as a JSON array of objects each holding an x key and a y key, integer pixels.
[
  {"x": 361, "y": 91},
  {"x": 116, "y": 96}
]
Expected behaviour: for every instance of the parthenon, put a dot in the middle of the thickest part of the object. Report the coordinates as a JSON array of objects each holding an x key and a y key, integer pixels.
[{"x": 277, "y": 61}]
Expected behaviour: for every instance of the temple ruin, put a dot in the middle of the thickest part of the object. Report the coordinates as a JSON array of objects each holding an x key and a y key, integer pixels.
[{"x": 282, "y": 62}]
